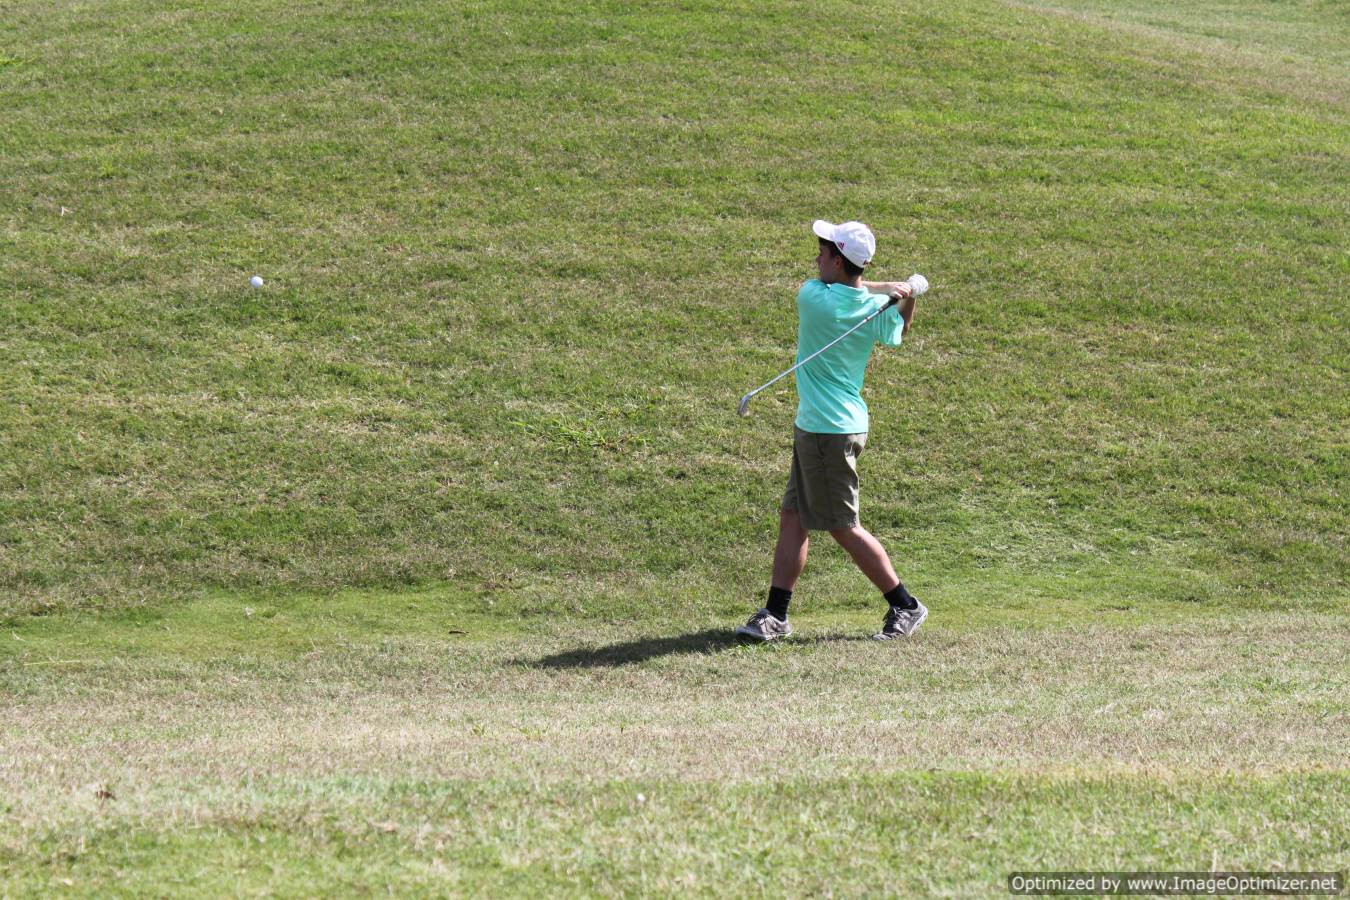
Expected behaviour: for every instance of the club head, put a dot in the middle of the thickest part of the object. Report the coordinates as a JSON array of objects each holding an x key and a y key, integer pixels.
[{"x": 744, "y": 408}]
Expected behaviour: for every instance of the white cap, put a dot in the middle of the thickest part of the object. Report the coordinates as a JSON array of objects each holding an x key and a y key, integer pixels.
[{"x": 854, "y": 240}]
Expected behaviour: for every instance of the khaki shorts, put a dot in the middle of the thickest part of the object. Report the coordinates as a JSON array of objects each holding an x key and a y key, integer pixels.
[{"x": 823, "y": 486}]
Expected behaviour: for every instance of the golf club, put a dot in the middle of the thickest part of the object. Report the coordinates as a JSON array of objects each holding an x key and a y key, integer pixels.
[{"x": 918, "y": 285}]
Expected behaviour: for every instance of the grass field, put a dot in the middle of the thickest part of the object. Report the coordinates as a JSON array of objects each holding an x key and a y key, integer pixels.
[{"x": 414, "y": 571}]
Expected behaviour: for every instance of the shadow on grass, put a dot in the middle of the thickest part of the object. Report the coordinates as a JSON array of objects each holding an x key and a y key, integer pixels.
[{"x": 710, "y": 640}]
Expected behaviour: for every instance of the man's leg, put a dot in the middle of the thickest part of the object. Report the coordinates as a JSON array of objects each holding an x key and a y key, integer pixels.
[
  {"x": 906, "y": 613},
  {"x": 868, "y": 555},
  {"x": 789, "y": 557}
]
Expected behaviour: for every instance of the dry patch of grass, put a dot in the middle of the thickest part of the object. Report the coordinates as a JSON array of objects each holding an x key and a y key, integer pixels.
[
  {"x": 1262, "y": 694},
  {"x": 612, "y": 760},
  {"x": 921, "y": 834}
]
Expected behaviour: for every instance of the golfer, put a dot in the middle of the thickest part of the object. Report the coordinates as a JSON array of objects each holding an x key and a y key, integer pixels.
[{"x": 831, "y": 428}]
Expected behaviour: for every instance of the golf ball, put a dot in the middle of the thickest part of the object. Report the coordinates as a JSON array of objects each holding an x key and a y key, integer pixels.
[{"x": 256, "y": 281}]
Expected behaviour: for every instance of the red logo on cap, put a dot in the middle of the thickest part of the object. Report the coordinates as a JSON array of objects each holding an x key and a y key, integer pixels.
[{"x": 841, "y": 244}]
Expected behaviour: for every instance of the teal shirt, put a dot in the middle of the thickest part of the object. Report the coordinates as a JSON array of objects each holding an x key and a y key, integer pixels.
[{"x": 830, "y": 386}]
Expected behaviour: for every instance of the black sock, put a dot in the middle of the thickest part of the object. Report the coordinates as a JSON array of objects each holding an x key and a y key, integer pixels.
[
  {"x": 778, "y": 603},
  {"x": 900, "y": 598}
]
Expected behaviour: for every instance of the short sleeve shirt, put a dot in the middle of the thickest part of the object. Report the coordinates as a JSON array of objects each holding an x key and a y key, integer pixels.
[{"x": 829, "y": 387}]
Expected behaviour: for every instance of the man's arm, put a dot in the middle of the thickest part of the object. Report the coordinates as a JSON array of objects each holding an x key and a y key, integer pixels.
[
  {"x": 899, "y": 291},
  {"x": 906, "y": 312},
  {"x": 887, "y": 287}
]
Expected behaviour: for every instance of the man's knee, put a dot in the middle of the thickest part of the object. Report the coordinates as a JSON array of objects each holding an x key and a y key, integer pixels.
[
  {"x": 790, "y": 520},
  {"x": 848, "y": 537}
]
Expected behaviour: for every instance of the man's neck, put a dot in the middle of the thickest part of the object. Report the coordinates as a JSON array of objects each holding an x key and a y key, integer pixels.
[{"x": 845, "y": 281}]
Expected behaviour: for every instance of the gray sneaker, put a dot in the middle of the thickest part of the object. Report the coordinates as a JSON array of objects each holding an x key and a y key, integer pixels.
[
  {"x": 901, "y": 622},
  {"x": 764, "y": 626}
]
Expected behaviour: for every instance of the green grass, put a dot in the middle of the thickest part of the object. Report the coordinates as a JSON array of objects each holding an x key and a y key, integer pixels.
[
  {"x": 1306, "y": 35},
  {"x": 503, "y": 336},
  {"x": 588, "y": 759},
  {"x": 794, "y": 838},
  {"x": 413, "y": 569}
]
